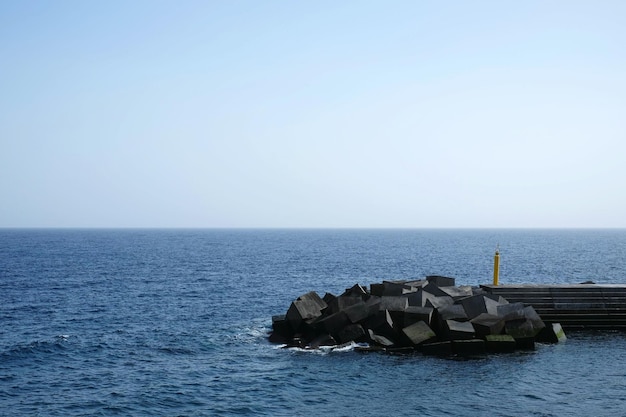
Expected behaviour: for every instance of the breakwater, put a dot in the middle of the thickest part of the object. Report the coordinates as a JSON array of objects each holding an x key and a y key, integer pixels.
[{"x": 431, "y": 315}]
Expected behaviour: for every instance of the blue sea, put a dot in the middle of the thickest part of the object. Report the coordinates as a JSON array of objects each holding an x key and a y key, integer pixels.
[{"x": 174, "y": 323}]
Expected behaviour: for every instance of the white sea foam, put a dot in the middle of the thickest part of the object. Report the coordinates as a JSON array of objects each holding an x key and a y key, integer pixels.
[{"x": 325, "y": 350}]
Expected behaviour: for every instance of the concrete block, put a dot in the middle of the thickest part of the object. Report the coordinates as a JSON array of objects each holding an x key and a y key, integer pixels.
[
  {"x": 533, "y": 317},
  {"x": 458, "y": 293},
  {"x": 500, "y": 343},
  {"x": 377, "y": 289},
  {"x": 410, "y": 290},
  {"x": 380, "y": 339},
  {"x": 492, "y": 306},
  {"x": 395, "y": 303},
  {"x": 469, "y": 347},
  {"x": 417, "y": 283},
  {"x": 520, "y": 329},
  {"x": 525, "y": 343},
  {"x": 328, "y": 298},
  {"x": 437, "y": 348},
  {"x": 416, "y": 298},
  {"x": 441, "y": 281},
  {"x": 373, "y": 304},
  {"x": 414, "y": 314},
  {"x": 352, "y": 332},
  {"x": 437, "y": 302},
  {"x": 551, "y": 333},
  {"x": 355, "y": 291},
  {"x": 452, "y": 312},
  {"x": 301, "y": 310},
  {"x": 313, "y": 296},
  {"x": 511, "y": 311},
  {"x": 333, "y": 323},
  {"x": 381, "y": 323},
  {"x": 341, "y": 303},
  {"x": 281, "y": 326},
  {"x": 487, "y": 324},
  {"x": 434, "y": 290},
  {"x": 393, "y": 289},
  {"x": 357, "y": 312},
  {"x": 458, "y": 330},
  {"x": 475, "y": 305},
  {"x": 418, "y": 333}
]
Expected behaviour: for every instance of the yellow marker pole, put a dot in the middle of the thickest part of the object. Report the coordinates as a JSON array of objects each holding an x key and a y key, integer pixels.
[{"x": 496, "y": 267}]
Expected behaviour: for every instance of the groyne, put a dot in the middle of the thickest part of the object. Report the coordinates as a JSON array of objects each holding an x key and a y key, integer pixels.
[{"x": 431, "y": 315}]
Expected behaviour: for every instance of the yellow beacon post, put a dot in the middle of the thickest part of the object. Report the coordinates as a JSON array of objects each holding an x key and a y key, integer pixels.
[{"x": 496, "y": 266}]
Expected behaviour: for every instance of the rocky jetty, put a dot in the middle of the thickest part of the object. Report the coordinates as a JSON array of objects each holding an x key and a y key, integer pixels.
[{"x": 430, "y": 315}]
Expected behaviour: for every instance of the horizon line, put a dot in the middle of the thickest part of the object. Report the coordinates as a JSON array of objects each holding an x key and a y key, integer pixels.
[{"x": 312, "y": 227}]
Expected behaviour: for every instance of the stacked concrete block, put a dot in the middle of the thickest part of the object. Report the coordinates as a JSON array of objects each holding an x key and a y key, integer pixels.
[
  {"x": 458, "y": 330},
  {"x": 552, "y": 333},
  {"x": 430, "y": 315},
  {"x": 500, "y": 343},
  {"x": 418, "y": 333},
  {"x": 486, "y": 324}
]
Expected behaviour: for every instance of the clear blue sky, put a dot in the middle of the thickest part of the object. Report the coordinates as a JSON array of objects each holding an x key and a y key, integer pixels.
[{"x": 312, "y": 114}]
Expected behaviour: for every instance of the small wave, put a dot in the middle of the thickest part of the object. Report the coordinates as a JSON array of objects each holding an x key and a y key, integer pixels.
[
  {"x": 38, "y": 347},
  {"x": 176, "y": 351},
  {"x": 251, "y": 332}
]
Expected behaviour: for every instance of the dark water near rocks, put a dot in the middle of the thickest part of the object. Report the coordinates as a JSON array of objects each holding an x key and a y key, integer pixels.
[{"x": 173, "y": 322}]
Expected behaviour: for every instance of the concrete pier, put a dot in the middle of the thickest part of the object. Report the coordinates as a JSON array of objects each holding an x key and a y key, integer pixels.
[{"x": 574, "y": 306}]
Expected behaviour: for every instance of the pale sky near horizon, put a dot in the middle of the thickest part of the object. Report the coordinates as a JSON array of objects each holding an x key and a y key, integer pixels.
[{"x": 312, "y": 114}]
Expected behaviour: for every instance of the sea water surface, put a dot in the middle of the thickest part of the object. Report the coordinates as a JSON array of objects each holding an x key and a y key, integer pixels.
[{"x": 174, "y": 322}]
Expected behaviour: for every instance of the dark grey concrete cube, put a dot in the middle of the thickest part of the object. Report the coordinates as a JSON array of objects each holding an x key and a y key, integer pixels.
[
  {"x": 452, "y": 312},
  {"x": 469, "y": 347},
  {"x": 301, "y": 310},
  {"x": 458, "y": 330},
  {"x": 487, "y": 324},
  {"x": 418, "y": 333},
  {"x": 373, "y": 304},
  {"x": 333, "y": 323},
  {"x": 355, "y": 291},
  {"x": 313, "y": 296},
  {"x": 377, "y": 289},
  {"x": 357, "y": 312},
  {"x": 352, "y": 332},
  {"x": 281, "y": 326},
  {"x": 437, "y": 302},
  {"x": 520, "y": 329},
  {"x": 395, "y": 303},
  {"x": 416, "y": 298},
  {"x": 511, "y": 311},
  {"x": 414, "y": 314},
  {"x": 380, "y": 339},
  {"x": 533, "y": 317},
  {"x": 394, "y": 289},
  {"x": 328, "y": 298},
  {"x": 551, "y": 333},
  {"x": 441, "y": 281},
  {"x": 475, "y": 305},
  {"x": 434, "y": 290},
  {"x": 341, "y": 303},
  {"x": 500, "y": 343},
  {"x": 458, "y": 293}
]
